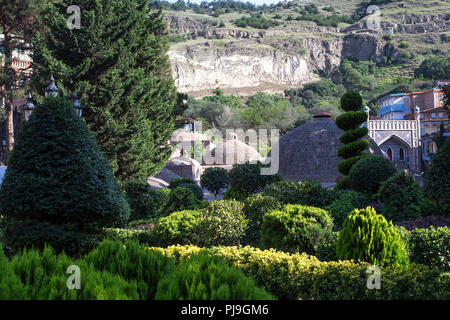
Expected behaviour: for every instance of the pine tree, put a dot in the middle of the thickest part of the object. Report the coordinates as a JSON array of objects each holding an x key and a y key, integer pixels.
[
  {"x": 58, "y": 187},
  {"x": 117, "y": 63}
]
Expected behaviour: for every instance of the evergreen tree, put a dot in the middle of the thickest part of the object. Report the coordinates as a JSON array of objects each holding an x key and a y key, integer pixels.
[
  {"x": 58, "y": 187},
  {"x": 117, "y": 64},
  {"x": 350, "y": 122}
]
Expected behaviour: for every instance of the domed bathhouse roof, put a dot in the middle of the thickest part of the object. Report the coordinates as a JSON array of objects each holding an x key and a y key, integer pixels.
[
  {"x": 231, "y": 152},
  {"x": 310, "y": 150},
  {"x": 185, "y": 167}
]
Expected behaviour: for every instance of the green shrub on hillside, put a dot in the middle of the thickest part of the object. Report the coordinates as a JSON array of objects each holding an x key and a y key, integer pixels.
[
  {"x": 296, "y": 228},
  {"x": 214, "y": 180},
  {"x": 205, "y": 277},
  {"x": 144, "y": 201},
  {"x": 367, "y": 236}
]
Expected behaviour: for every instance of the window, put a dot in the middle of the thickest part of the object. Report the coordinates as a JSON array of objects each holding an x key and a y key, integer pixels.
[
  {"x": 401, "y": 154},
  {"x": 433, "y": 115},
  {"x": 441, "y": 115},
  {"x": 421, "y": 116},
  {"x": 389, "y": 154},
  {"x": 432, "y": 147}
]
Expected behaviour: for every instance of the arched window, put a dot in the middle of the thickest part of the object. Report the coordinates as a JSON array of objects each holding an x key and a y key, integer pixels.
[
  {"x": 432, "y": 147},
  {"x": 401, "y": 154},
  {"x": 389, "y": 153}
]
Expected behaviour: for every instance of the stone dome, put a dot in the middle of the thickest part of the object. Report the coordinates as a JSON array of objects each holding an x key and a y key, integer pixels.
[
  {"x": 310, "y": 151},
  {"x": 232, "y": 152},
  {"x": 185, "y": 167}
]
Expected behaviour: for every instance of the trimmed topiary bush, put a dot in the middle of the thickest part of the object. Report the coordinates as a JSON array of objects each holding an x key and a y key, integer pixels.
[
  {"x": 221, "y": 223},
  {"x": 177, "y": 228},
  {"x": 255, "y": 207},
  {"x": 350, "y": 122},
  {"x": 308, "y": 193},
  {"x": 346, "y": 202},
  {"x": 296, "y": 228},
  {"x": 401, "y": 196},
  {"x": 214, "y": 180},
  {"x": 206, "y": 277},
  {"x": 367, "y": 236},
  {"x": 247, "y": 177},
  {"x": 368, "y": 174},
  {"x": 231, "y": 194},
  {"x": 58, "y": 176},
  {"x": 437, "y": 179}
]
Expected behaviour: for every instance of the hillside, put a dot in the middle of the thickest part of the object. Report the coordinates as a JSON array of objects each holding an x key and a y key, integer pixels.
[{"x": 293, "y": 44}]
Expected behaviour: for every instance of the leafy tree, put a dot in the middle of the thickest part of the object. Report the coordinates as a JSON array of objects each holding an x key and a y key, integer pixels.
[
  {"x": 352, "y": 150},
  {"x": 117, "y": 63},
  {"x": 434, "y": 68},
  {"x": 58, "y": 182},
  {"x": 401, "y": 196},
  {"x": 437, "y": 178},
  {"x": 247, "y": 177},
  {"x": 214, "y": 180},
  {"x": 368, "y": 173}
]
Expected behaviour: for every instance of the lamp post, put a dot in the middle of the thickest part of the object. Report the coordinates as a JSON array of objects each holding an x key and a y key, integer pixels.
[
  {"x": 28, "y": 107},
  {"x": 52, "y": 89},
  {"x": 77, "y": 106}
]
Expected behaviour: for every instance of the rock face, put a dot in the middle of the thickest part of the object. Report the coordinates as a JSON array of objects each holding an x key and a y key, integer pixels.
[{"x": 207, "y": 66}]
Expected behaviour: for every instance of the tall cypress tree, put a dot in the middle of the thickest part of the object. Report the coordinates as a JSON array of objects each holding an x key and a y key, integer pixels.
[{"x": 117, "y": 62}]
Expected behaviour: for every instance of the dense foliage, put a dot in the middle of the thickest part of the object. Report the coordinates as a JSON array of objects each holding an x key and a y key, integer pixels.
[
  {"x": 256, "y": 21},
  {"x": 434, "y": 68},
  {"x": 205, "y": 277},
  {"x": 308, "y": 193},
  {"x": 177, "y": 228},
  {"x": 144, "y": 201},
  {"x": 214, "y": 180},
  {"x": 180, "y": 198},
  {"x": 345, "y": 203},
  {"x": 437, "y": 179},
  {"x": 425, "y": 222},
  {"x": 255, "y": 207},
  {"x": 402, "y": 197},
  {"x": 367, "y": 236},
  {"x": 299, "y": 276},
  {"x": 296, "y": 228},
  {"x": 247, "y": 177},
  {"x": 221, "y": 223},
  {"x": 117, "y": 63},
  {"x": 368, "y": 173},
  {"x": 57, "y": 179}
]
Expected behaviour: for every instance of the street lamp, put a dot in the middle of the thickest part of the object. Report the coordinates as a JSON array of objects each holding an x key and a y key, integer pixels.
[
  {"x": 28, "y": 107},
  {"x": 76, "y": 104},
  {"x": 52, "y": 89}
]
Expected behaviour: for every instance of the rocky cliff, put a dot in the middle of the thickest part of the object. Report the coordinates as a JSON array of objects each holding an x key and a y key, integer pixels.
[{"x": 244, "y": 61}]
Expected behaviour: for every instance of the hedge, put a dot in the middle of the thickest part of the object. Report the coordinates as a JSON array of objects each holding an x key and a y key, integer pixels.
[{"x": 299, "y": 276}]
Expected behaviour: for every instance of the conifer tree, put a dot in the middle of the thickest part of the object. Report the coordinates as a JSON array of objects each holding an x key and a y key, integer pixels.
[
  {"x": 117, "y": 64},
  {"x": 352, "y": 150}
]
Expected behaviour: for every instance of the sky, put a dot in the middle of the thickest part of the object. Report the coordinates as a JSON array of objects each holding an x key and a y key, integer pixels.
[{"x": 258, "y": 2}]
